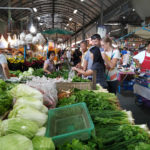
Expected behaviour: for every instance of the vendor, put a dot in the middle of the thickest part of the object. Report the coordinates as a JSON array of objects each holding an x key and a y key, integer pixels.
[
  {"x": 98, "y": 66},
  {"x": 142, "y": 59},
  {"x": 4, "y": 70},
  {"x": 49, "y": 66}
]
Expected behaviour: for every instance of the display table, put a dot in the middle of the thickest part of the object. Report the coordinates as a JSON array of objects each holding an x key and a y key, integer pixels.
[
  {"x": 142, "y": 91},
  {"x": 124, "y": 78}
]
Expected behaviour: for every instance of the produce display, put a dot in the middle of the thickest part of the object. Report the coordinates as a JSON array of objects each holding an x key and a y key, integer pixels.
[
  {"x": 79, "y": 79},
  {"x": 113, "y": 128}
]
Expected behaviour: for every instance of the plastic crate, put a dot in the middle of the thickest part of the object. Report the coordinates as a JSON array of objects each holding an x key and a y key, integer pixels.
[{"x": 69, "y": 122}]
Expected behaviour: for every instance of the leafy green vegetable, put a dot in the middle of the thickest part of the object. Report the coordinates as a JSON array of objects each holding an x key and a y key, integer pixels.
[
  {"x": 29, "y": 113},
  {"x": 38, "y": 72},
  {"x": 15, "y": 142},
  {"x": 19, "y": 126},
  {"x": 5, "y": 98},
  {"x": 43, "y": 143},
  {"x": 16, "y": 73},
  {"x": 79, "y": 79},
  {"x": 41, "y": 131}
]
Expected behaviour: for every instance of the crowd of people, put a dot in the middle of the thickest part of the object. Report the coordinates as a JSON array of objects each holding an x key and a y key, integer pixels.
[{"x": 101, "y": 57}]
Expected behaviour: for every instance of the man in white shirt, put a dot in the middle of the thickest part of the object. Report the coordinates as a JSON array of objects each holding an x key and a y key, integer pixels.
[
  {"x": 4, "y": 71},
  {"x": 142, "y": 59}
]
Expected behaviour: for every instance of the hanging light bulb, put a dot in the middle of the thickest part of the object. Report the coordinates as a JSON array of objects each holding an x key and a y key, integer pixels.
[{"x": 32, "y": 29}]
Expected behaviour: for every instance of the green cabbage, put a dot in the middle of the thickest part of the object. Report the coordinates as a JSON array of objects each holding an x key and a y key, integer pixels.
[
  {"x": 41, "y": 132},
  {"x": 19, "y": 126},
  {"x": 29, "y": 113},
  {"x": 30, "y": 101},
  {"x": 15, "y": 142},
  {"x": 23, "y": 90},
  {"x": 43, "y": 143}
]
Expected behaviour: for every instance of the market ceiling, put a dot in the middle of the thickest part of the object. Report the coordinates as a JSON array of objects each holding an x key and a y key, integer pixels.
[{"x": 61, "y": 13}]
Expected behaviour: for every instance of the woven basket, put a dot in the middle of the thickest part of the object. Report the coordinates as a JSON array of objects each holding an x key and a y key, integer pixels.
[{"x": 72, "y": 85}]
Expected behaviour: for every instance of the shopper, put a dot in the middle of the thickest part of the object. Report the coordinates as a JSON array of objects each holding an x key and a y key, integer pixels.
[
  {"x": 77, "y": 56},
  {"x": 4, "y": 70},
  {"x": 97, "y": 65},
  {"x": 125, "y": 58},
  {"x": 49, "y": 66},
  {"x": 83, "y": 47},
  {"x": 111, "y": 57},
  {"x": 142, "y": 59},
  {"x": 68, "y": 54},
  {"x": 96, "y": 41}
]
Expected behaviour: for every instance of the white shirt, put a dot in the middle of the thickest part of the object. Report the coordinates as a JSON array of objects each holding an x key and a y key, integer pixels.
[
  {"x": 112, "y": 73},
  {"x": 140, "y": 57}
]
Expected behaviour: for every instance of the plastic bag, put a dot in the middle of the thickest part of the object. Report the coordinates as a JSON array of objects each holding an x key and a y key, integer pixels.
[
  {"x": 71, "y": 74},
  {"x": 48, "y": 89}
]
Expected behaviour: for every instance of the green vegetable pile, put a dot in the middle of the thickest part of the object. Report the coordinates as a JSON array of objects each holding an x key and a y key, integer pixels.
[
  {"x": 5, "y": 98},
  {"x": 16, "y": 73},
  {"x": 112, "y": 126},
  {"x": 79, "y": 79}
]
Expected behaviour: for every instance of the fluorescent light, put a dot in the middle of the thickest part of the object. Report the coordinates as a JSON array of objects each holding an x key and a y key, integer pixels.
[
  {"x": 41, "y": 24},
  {"x": 75, "y": 11},
  {"x": 67, "y": 24},
  {"x": 70, "y": 19},
  {"x": 38, "y": 18},
  {"x": 124, "y": 17},
  {"x": 35, "y": 10},
  {"x": 32, "y": 29},
  {"x": 65, "y": 28},
  {"x": 112, "y": 24},
  {"x": 133, "y": 9},
  {"x": 82, "y": 0}
]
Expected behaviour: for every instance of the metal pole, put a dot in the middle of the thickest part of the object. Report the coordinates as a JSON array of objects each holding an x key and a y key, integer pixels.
[
  {"x": 83, "y": 30},
  {"x": 18, "y": 8},
  {"x": 75, "y": 34},
  {"x": 25, "y": 48}
]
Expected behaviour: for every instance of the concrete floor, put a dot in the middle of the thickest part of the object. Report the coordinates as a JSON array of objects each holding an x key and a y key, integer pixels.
[{"x": 140, "y": 114}]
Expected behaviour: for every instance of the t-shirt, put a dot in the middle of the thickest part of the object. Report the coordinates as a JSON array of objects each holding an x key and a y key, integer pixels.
[
  {"x": 82, "y": 59},
  {"x": 140, "y": 56},
  {"x": 88, "y": 58},
  {"x": 100, "y": 74},
  {"x": 3, "y": 60},
  {"x": 50, "y": 64},
  {"x": 111, "y": 74}
]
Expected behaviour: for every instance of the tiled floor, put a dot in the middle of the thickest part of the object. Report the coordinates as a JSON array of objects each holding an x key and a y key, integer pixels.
[{"x": 141, "y": 115}]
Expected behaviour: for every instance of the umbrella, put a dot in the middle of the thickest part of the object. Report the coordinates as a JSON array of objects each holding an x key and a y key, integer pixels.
[{"x": 57, "y": 31}]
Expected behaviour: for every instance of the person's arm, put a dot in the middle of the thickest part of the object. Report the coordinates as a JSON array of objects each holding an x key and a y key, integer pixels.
[
  {"x": 110, "y": 63},
  {"x": 138, "y": 65},
  {"x": 85, "y": 73},
  {"x": 85, "y": 65},
  {"x": 6, "y": 70},
  {"x": 45, "y": 68}
]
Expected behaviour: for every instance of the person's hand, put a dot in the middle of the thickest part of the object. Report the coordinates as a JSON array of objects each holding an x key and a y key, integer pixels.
[
  {"x": 104, "y": 56},
  {"x": 74, "y": 68},
  {"x": 49, "y": 73}
]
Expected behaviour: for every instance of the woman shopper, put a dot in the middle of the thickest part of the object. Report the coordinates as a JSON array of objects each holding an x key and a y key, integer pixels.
[
  {"x": 49, "y": 66},
  {"x": 111, "y": 56},
  {"x": 98, "y": 66}
]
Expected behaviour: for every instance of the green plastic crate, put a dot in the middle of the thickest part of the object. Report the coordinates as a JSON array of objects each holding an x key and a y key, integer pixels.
[{"x": 69, "y": 122}]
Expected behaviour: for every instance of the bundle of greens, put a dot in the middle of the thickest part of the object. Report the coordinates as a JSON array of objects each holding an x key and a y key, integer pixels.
[
  {"x": 79, "y": 79},
  {"x": 5, "y": 98},
  {"x": 112, "y": 127}
]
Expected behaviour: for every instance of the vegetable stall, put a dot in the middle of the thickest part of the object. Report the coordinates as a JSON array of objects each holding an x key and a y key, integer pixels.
[{"x": 26, "y": 110}]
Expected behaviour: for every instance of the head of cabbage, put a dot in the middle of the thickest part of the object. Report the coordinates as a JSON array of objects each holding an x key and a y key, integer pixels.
[
  {"x": 20, "y": 126},
  {"x": 15, "y": 142},
  {"x": 43, "y": 143}
]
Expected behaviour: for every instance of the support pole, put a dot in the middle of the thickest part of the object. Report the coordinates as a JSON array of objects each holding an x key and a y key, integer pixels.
[
  {"x": 83, "y": 30},
  {"x": 75, "y": 34},
  {"x": 25, "y": 49}
]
